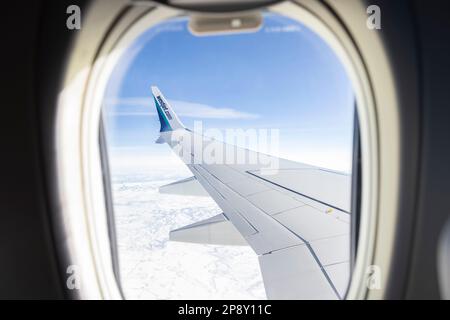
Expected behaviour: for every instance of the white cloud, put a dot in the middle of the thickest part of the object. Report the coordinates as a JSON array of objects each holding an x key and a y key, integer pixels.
[
  {"x": 141, "y": 106},
  {"x": 126, "y": 160}
]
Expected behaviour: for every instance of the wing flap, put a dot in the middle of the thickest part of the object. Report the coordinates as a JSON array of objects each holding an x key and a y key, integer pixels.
[
  {"x": 187, "y": 187},
  {"x": 216, "y": 230},
  {"x": 332, "y": 250},
  {"x": 293, "y": 273},
  {"x": 340, "y": 276}
]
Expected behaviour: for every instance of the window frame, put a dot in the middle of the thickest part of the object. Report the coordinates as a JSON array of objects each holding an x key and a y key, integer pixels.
[{"x": 85, "y": 219}]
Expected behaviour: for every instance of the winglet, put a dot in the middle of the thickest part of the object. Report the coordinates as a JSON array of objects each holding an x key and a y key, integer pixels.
[{"x": 168, "y": 119}]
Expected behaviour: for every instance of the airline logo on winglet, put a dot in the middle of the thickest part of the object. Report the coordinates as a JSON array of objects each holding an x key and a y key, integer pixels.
[
  {"x": 164, "y": 107},
  {"x": 169, "y": 120}
]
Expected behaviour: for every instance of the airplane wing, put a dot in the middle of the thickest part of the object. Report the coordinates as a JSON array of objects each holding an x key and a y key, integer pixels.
[{"x": 296, "y": 217}]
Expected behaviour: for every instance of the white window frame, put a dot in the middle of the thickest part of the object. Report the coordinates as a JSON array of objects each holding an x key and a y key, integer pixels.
[{"x": 94, "y": 55}]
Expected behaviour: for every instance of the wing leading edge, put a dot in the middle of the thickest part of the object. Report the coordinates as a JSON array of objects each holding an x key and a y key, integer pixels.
[{"x": 295, "y": 216}]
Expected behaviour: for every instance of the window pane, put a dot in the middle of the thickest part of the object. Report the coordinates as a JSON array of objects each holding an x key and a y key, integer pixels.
[{"x": 287, "y": 92}]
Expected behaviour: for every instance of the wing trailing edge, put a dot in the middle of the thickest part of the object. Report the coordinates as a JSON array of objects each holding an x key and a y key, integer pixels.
[
  {"x": 187, "y": 187},
  {"x": 216, "y": 230}
]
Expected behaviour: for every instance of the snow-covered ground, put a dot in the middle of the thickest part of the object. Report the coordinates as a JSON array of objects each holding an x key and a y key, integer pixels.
[{"x": 151, "y": 267}]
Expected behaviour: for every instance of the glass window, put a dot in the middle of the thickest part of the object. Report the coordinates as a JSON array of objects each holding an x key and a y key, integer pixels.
[{"x": 282, "y": 87}]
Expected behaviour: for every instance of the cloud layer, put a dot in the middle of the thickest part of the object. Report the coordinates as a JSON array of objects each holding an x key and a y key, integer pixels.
[{"x": 145, "y": 107}]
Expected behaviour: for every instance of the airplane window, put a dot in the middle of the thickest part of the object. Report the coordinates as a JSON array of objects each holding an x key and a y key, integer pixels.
[{"x": 230, "y": 161}]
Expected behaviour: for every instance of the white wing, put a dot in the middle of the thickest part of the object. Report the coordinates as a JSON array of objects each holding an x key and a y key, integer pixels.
[{"x": 296, "y": 217}]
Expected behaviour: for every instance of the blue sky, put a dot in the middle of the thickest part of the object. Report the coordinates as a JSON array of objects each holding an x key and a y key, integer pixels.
[{"x": 282, "y": 77}]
